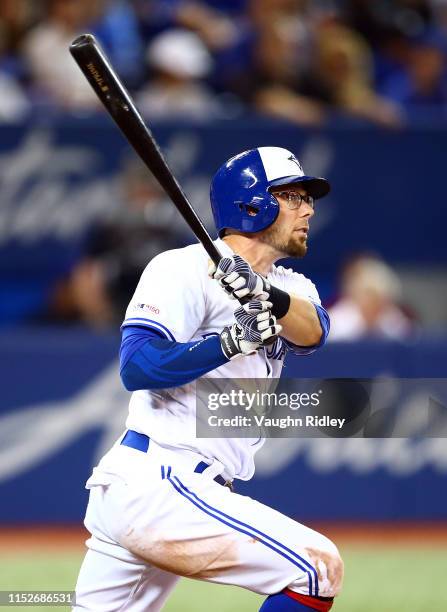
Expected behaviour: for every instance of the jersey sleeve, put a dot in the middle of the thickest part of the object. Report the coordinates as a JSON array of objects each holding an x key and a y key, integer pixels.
[
  {"x": 299, "y": 285},
  {"x": 170, "y": 297},
  {"x": 295, "y": 283}
]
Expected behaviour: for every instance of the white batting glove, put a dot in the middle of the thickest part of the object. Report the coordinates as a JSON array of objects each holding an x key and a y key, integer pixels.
[
  {"x": 238, "y": 279},
  {"x": 255, "y": 326}
]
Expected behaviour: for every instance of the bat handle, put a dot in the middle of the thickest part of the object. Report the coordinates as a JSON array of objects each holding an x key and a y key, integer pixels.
[
  {"x": 213, "y": 252},
  {"x": 216, "y": 256}
]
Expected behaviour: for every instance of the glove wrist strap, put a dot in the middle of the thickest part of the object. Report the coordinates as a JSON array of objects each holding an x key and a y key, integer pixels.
[
  {"x": 229, "y": 347},
  {"x": 280, "y": 302}
]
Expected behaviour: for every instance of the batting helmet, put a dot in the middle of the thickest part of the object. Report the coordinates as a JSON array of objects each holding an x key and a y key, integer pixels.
[{"x": 240, "y": 189}]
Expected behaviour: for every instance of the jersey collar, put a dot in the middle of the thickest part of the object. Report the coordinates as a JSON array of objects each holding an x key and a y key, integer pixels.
[{"x": 226, "y": 250}]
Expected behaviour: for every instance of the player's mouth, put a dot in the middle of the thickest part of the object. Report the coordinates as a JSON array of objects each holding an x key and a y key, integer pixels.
[{"x": 302, "y": 230}]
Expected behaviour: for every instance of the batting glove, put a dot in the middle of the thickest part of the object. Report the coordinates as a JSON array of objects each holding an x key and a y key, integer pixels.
[
  {"x": 255, "y": 326},
  {"x": 238, "y": 280}
]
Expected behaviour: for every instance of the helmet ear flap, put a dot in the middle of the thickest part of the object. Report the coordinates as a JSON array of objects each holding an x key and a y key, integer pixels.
[
  {"x": 259, "y": 213},
  {"x": 272, "y": 211}
]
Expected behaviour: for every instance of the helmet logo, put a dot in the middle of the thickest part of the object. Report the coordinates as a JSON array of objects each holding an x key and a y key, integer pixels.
[{"x": 293, "y": 159}]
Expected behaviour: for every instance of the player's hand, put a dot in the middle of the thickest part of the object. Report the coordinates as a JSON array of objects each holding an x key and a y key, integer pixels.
[
  {"x": 255, "y": 326},
  {"x": 238, "y": 279}
]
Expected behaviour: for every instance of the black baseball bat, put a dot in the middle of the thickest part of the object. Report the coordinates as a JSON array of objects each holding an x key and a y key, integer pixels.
[
  {"x": 112, "y": 93},
  {"x": 93, "y": 62}
]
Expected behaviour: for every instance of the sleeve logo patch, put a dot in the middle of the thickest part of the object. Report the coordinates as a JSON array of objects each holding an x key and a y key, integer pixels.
[{"x": 148, "y": 308}]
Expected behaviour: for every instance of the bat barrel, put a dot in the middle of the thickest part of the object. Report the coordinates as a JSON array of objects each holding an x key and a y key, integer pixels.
[{"x": 112, "y": 93}]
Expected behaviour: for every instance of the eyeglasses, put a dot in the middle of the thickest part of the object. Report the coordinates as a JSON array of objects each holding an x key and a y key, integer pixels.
[{"x": 294, "y": 199}]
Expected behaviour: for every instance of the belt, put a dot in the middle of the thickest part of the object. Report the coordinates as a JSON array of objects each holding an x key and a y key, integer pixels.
[{"x": 140, "y": 442}]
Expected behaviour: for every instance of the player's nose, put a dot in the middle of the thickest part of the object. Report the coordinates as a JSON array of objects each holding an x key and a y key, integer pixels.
[{"x": 306, "y": 210}]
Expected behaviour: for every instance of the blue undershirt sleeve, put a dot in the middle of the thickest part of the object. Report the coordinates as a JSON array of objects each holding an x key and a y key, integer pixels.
[
  {"x": 325, "y": 326},
  {"x": 149, "y": 361}
]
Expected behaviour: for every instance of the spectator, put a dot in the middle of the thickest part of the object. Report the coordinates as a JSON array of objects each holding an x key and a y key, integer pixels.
[
  {"x": 439, "y": 8},
  {"x": 424, "y": 81},
  {"x": 281, "y": 55},
  {"x": 221, "y": 24},
  {"x": 14, "y": 104},
  {"x": 53, "y": 72},
  {"x": 377, "y": 21},
  {"x": 215, "y": 28},
  {"x": 389, "y": 27},
  {"x": 344, "y": 65},
  {"x": 306, "y": 66},
  {"x": 211, "y": 21},
  {"x": 368, "y": 306},
  {"x": 16, "y": 17},
  {"x": 119, "y": 32},
  {"x": 179, "y": 61}
]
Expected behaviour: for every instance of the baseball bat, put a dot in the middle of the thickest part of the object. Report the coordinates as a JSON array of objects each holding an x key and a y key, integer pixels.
[
  {"x": 110, "y": 90},
  {"x": 112, "y": 93}
]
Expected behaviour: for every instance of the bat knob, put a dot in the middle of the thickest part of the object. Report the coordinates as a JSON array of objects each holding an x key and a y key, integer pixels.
[{"x": 82, "y": 41}]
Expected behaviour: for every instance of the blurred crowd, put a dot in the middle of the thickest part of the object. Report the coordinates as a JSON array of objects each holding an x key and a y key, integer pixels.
[
  {"x": 301, "y": 60},
  {"x": 304, "y": 61},
  {"x": 370, "y": 302}
]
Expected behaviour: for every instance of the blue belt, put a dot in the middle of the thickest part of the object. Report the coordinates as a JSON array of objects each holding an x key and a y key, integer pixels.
[{"x": 139, "y": 441}]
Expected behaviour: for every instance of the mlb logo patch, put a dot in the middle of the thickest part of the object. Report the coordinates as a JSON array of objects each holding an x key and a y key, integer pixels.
[{"x": 148, "y": 308}]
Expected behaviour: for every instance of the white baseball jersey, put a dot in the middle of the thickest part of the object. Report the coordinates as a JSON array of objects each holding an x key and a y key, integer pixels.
[
  {"x": 153, "y": 515},
  {"x": 177, "y": 298}
]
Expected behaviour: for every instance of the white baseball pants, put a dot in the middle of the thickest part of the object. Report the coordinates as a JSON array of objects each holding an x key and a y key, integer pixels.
[{"x": 153, "y": 519}]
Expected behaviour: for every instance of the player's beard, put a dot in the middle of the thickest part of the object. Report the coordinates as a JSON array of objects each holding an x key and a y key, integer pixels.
[{"x": 294, "y": 245}]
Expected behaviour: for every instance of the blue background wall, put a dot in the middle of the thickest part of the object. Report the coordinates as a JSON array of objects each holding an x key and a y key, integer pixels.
[{"x": 62, "y": 406}]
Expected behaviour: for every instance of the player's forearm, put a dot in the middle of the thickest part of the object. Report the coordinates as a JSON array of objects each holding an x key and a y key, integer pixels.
[
  {"x": 304, "y": 323},
  {"x": 301, "y": 324},
  {"x": 162, "y": 364}
]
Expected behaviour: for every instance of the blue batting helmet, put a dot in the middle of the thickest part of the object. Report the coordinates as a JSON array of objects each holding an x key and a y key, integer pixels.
[{"x": 240, "y": 189}]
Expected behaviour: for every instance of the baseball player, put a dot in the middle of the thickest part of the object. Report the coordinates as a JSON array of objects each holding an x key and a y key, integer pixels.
[{"x": 161, "y": 505}]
